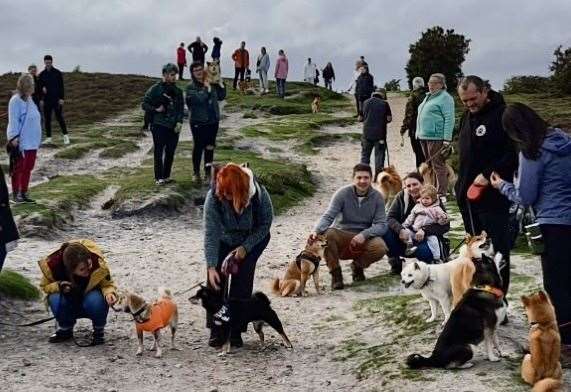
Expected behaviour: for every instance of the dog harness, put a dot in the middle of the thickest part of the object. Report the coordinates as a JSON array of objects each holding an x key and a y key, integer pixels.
[
  {"x": 304, "y": 255},
  {"x": 492, "y": 290},
  {"x": 162, "y": 312}
]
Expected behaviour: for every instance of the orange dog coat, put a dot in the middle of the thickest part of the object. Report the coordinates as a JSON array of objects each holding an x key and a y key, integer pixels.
[{"x": 161, "y": 314}]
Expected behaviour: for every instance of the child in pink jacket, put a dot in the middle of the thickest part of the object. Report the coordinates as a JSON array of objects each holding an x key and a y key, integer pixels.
[{"x": 280, "y": 73}]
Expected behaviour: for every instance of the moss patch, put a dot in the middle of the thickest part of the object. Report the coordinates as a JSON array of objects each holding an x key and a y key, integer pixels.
[{"x": 14, "y": 285}]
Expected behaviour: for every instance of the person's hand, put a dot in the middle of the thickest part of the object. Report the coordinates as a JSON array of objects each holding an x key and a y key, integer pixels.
[
  {"x": 60, "y": 102},
  {"x": 357, "y": 241},
  {"x": 446, "y": 143},
  {"x": 111, "y": 299},
  {"x": 496, "y": 180},
  {"x": 44, "y": 90},
  {"x": 160, "y": 109},
  {"x": 403, "y": 235},
  {"x": 15, "y": 142},
  {"x": 214, "y": 278},
  {"x": 313, "y": 237},
  {"x": 240, "y": 253},
  {"x": 65, "y": 287},
  {"x": 178, "y": 127},
  {"x": 419, "y": 236},
  {"x": 481, "y": 180}
]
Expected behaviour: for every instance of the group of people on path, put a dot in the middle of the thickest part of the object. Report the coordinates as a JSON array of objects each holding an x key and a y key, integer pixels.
[{"x": 311, "y": 74}]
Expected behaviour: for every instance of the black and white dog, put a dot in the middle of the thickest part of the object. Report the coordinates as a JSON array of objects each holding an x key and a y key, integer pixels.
[
  {"x": 256, "y": 309},
  {"x": 472, "y": 321}
]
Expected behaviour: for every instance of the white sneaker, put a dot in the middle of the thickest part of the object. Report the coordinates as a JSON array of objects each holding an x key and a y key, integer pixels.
[
  {"x": 66, "y": 139},
  {"x": 160, "y": 182},
  {"x": 48, "y": 140}
]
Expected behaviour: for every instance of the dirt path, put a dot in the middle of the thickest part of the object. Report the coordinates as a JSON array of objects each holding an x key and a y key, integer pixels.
[{"x": 147, "y": 252}]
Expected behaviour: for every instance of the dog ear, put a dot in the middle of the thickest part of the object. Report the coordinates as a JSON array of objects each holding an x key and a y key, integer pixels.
[
  {"x": 542, "y": 296},
  {"x": 525, "y": 300},
  {"x": 484, "y": 234}
]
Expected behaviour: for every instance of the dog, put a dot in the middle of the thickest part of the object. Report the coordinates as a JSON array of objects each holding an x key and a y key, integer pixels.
[
  {"x": 256, "y": 309},
  {"x": 316, "y": 104},
  {"x": 213, "y": 74},
  {"x": 151, "y": 317},
  {"x": 474, "y": 320},
  {"x": 463, "y": 267},
  {"x": 246, "y": 85},
  {"x": 429, "y": 175},
  {"x": 298, "y": 271},
  {"x": 433, "y": 281},
  {"x": 389, "y": 183},
  {"x": 541, "y": 367}
]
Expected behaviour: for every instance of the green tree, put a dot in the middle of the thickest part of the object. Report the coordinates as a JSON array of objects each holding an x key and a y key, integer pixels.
[
  {"x": 561, "y": 68},
  {"x": 393, "y": 85},
  {"x": 438, "y": 51}
]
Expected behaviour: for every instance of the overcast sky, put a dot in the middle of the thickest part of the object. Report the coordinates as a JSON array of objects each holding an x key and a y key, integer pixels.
[{"x": 509, "y": 37}]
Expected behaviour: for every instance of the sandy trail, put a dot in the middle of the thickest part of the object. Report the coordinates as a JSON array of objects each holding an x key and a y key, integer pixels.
[{"x": 147, "y": 252}]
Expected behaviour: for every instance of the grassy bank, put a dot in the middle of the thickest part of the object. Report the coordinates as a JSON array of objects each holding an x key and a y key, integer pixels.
[{"x": 14, "y": 285}]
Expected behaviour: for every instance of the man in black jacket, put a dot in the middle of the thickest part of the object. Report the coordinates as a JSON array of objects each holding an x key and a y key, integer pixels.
[
  {"x": 37, "y": 96},
  {"x": 51, "y": 82},
  {"x": 364, "y": 87},
  {"x": 198, "y": 50},
  {"x": 484, "y": 147},
  {"x": 376, "y": 115}
]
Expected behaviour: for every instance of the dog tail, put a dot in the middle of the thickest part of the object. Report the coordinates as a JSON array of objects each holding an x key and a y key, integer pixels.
[
  {"x": 417, "y": 361},
  {"x": 548, "y": 385},
  {"x": 165, "y": 292},
  {"x": 276, "y": 286},
  {"x": 261, "y": 297}
]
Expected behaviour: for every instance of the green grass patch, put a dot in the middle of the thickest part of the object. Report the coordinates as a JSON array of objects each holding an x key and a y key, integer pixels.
[
  {"x": 119, "y": 150},
  {"x": 14, "y": 285},
  {"x": 382, "y": 282}
]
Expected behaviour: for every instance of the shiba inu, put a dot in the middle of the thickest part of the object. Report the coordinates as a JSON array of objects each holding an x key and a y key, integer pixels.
[
  {"x": 389, "y": 183},
  {"x": 316, "y": 104},
  {"x": 429, "y": 175}
]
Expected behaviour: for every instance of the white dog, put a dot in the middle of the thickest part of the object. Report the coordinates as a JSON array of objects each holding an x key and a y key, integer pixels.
[{"x": 433, "y": 281}]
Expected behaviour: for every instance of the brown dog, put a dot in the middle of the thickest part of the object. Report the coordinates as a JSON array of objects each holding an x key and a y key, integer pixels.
[
  {"x": 429, "y": 176},
  {"x": 541, "y": 367},
  {"x": 316, "y": 104},
  {"x": 299, "y": 270},
  {"x": 389, "y": 183}
]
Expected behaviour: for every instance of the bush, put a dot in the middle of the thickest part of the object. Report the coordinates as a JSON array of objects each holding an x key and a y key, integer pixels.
[
  {"x": 561, "y": 68},
  {"x": 528, "y": 84},
  {"x": 393, "y": 85}
]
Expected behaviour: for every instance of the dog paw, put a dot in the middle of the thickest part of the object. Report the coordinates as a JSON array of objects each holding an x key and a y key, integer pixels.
[
  {"x": 430, "y": 319},
  {"x": 139, "y": 352}
]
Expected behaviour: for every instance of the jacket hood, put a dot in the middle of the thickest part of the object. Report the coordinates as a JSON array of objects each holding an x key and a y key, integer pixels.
[{"x": 557, "y": 142}]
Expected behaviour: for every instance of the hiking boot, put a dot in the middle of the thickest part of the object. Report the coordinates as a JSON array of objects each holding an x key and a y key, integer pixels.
[
  {"x": 98, "y": 337},
  {"x": 61, "y": 335},
  {"x": 396, "y": 265},
  {"x": 66, "y": 139},
  {"x": 216, "y": 339},
  {"x": 236, "y": 339},
  {"x": 566, "y": 356},
  {"x": 358, "y": 273},
  {"x": 26, "y": 198},
  {"x": 337, "y": 279}
]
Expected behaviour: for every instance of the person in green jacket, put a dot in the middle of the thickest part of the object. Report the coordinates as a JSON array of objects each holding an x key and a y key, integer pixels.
[
  {"x": 165, "y": 101},
  {"x": 202, "y": 101},
  {"x": 434, "y": 125}
]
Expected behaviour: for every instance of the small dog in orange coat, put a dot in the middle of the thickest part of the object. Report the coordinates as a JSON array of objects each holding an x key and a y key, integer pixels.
[{"x": 150, "y": 317}]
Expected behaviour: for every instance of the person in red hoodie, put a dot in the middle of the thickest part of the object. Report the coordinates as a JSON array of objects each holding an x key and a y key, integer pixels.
[
  {"x": 241, "y": 59},
  {"x": 181, "y": 60}
]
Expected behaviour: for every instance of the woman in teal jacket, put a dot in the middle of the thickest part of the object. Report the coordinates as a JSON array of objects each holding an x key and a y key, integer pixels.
[{"x": 434, "y": 126}]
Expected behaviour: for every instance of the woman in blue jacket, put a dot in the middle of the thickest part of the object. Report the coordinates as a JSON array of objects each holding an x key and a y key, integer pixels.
[{"x": 545, "y": 185}]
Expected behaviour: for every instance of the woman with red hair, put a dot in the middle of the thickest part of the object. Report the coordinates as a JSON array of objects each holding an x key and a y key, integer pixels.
[{"x": 238, "y": 214}]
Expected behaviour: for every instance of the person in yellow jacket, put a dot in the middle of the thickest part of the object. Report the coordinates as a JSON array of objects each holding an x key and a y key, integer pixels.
[{"x": 78, "y": 284}]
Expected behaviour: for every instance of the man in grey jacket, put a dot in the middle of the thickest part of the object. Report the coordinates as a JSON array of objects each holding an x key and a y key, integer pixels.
[
  {"x": 358, "y": 212},
  {"x": 262, "y": 67}
]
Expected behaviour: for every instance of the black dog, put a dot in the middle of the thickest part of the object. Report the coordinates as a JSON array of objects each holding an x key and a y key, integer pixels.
[
  {"x": 474, "y": 319},
  {"x": 256, "y": 309}
]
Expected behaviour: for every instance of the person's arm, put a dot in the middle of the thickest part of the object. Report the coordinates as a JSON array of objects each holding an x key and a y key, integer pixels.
[
  {"x": 447, "y": 109},
  {"x": 388, "y": 114},
  {"x": 286, "y": 67},
  {"x": 235, "y": 55},
  {"x": 60, "y": 85},
  {"x": 108, "y": 286},
  {"x": 530, "y": 176},
  {"x": 335, "y": 207},
  {"x": 212, "y": 230},
  {"x": 442, "y": 217},
  {"x": 410, "y": 218},
  {"x": 14, "y": 118},
  {"x": 148, "y": 100},
  {"x": 394, "y": 216},
  {"x": 379, "y": 226},
  {"x": 265, "y": 216},
  {"x": 49, "y": 286}
]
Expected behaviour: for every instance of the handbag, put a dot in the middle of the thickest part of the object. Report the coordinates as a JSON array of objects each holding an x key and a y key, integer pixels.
[{"x": 533, "y": 235}]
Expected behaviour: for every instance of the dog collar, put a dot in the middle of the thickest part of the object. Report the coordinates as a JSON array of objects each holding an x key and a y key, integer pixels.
[
  {"x": 137, "y": 314},
  {"x": 492, "y": 290}
]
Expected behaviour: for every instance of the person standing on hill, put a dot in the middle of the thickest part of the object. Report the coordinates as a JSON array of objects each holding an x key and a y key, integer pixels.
[
  {"x": 280, "y": 73},
  {"x": 263, "y": 66},
  {"x": 216, "y": 49},
  {"x": 364, "y": 87},
  {"x": 51, "y": 82},
  {"x": 353, "y": 85},
  {"x": 181, "y": 60},
  {"x": 411, "y": 112},
  {"x": 165, "y": 101},
  {"x": 376, "y": 115},
  {"x": 309, "y": 71},
  {"x": 328, "y": 76},
  {"x": 241, "y": 59},
  {"x": 202, "y": 101},
  {"x": 198, "y": 50},
  {"x": 37, "y": 96}
]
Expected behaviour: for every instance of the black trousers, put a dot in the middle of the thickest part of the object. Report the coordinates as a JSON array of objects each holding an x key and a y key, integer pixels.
[
  {"x": 238, "y": 72},
  {"x": 417, "y": 149},
  {"x": 180, "y": 71},
  {"x": 204, "y": 141},
  {"x": 496, "y": 224},
  {"x": 165, "y": 141},
  {"x": 50, "y": 107},
  {"x": 242, "y": 284},
  {"x": 556, "y": 266}
]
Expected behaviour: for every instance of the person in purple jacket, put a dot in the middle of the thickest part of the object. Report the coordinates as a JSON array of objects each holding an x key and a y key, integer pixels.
[{"x": 545, "y": 185}]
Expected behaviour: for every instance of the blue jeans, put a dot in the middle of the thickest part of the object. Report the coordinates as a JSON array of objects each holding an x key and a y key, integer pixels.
[
  {"x": 67, "y": 310},
  {"x": 397, "y": 248},
  {"x": 367, "y": 147},
  {"x": 281, "y": 85},
  {"x": 2, "y": 255}
]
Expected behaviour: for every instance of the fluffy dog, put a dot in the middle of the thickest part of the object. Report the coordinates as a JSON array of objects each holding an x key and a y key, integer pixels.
[
  {"x": 429, "y": 176},
  {"x": 213, "y": 74},
  {"x": 389, "y": 183},
  {"x": 257, "y": 310},
  {"x": 433, "y": 281},
  {"x": 298, "y": 271},
  {"x": 541, "y": 367},
  {"x": 316, "y": 104},
  {"x": 474, "y": 320},
  {"x": 463, "y": 267},
  {"x": 151, "y": 317}
]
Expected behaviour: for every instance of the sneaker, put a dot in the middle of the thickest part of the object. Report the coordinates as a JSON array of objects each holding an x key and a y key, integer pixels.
[
  {"x": 26, "y": 198},
  {"x": 48, "y": 140},
  {"x": 19, "y": 199},
  {"x": 160, "y": 182},
  {"x": 169, "y": 180},
  {"x": 61, "y": 335},
  {"x": 98, "y": 337},
  {"x": 66, "y": 139}
]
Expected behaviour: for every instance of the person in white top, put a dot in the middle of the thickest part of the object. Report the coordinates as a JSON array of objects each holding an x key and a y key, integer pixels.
[
  {"x": 309, "y": 71},
  {"x": 262, "y": 67}
]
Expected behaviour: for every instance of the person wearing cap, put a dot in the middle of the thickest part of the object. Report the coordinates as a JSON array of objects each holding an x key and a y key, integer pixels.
[
  {"x": 411, "y": 112},
  {"x": 164, "y": 99},
  {"x": 376, "y": 115}
]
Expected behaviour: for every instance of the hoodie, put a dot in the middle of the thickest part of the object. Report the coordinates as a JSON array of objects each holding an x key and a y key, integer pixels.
[{"x": 545, "y": 183}]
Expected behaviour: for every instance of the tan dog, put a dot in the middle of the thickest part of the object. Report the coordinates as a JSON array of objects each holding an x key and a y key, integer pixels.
[
  {"x": 213, "y": 74},
  {"x": 150, "y": 317},
  {"x": 316, "y": 104},
  {"x": 299, "y": 270},
  {"x": 429, "y": 176},
  {"x": 463, "y": 270},
  {"x": 389, "y": 183},
  {"x": 541, "y": 367}
]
